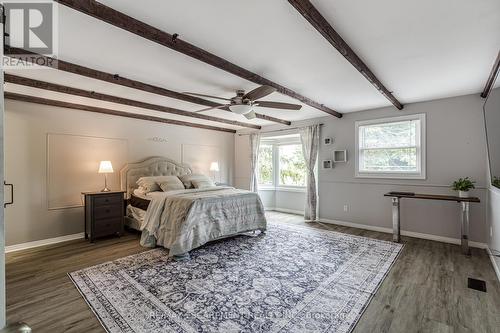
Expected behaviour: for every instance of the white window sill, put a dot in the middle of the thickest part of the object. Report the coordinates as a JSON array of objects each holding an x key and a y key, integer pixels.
[
  {"x": 283, "y": 189},
  {"x": 391, "y": 176},
  {"x": 266, "y": 188},
  {"x": 494, "y": 189}
]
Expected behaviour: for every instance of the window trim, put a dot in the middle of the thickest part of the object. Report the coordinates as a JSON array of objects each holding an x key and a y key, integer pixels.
[{"x": 421, "y": 150}]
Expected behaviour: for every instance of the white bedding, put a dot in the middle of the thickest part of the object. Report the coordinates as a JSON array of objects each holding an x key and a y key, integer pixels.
[
  {"x": 185, "y": 219},
  {"x": 136, "y": 213},
  {"x": 140, "y": 193},
  {"x": 147, "y": 196}
]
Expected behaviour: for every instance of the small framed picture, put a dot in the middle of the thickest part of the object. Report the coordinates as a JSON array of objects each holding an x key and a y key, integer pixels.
[
  {"x": 327, "y": 164},
  {"x": 328, "y": 141},
  {"x": 339, "y": 156}
]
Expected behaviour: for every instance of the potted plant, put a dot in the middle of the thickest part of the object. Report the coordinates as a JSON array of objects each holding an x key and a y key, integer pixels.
[{"x": 463, "y": 185}]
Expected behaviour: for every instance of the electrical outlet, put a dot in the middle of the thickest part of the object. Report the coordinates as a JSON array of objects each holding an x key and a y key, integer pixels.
[{"x": 346, "y": 208}]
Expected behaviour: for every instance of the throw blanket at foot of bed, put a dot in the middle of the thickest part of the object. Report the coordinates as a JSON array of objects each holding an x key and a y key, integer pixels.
[{"x": 186, "y": 219}]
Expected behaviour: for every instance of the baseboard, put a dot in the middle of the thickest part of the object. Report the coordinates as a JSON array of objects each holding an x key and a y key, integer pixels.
[
  {"x": 55, "y": 240},
  {"x": 284, "y": 210},
  {"x": 494, "y": 263},
  {"x": 43, "y": 242},
  {"x": 405, "y": 233}
]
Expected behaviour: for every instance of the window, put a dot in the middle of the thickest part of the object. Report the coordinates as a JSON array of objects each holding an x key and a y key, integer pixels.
[
  {"x": 281, "y": 163},
  {"x": 266, "y": 164},
  {"x": 292, "y": 167},
  {"x": 391, "y": 147}
]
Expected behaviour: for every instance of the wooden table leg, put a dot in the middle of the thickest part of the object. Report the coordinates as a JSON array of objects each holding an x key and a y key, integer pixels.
[
  {"x": 465, "y": 228},
  {"x": 396, "y": 232}
]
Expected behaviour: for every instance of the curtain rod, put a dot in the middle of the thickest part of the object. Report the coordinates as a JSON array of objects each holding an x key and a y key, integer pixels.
[{"x": 279, "y": 130}]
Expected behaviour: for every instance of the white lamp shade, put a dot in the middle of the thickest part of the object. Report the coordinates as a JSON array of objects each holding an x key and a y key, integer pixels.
[
  {"x": 240, "y": 108},
  {"x": 214, "y": 166},
  {"x": 105, "y": 167}
]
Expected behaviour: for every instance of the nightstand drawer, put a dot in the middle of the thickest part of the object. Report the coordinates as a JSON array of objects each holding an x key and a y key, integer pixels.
[
  {"x": 105, "y": 200},
  {"x": 105, "y": 212},
  {"x": 108, "y": 226}
]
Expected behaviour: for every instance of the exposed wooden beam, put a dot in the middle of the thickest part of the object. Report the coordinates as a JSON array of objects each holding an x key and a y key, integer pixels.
[
  {"x": 492, "y": 78},
  {"x": 311, "y": 14},
  {"x": 120, "y": 20},
  {"x": 51, "y": 102},
  {"x": 117, "y": 79},
  {"x": 119, "y": 100}
]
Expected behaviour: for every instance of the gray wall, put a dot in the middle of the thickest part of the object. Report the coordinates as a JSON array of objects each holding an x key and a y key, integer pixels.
[
  {"x": 492, "y": 120},
  {"x": 26, "y": 165},
  {"x": 282, "y": 199},
  {"x": 456, "y": 147},
  {"x": 493, "y": 214},
  {"x": 2, "y": 216},
  {"x": 492, "y": 112}
]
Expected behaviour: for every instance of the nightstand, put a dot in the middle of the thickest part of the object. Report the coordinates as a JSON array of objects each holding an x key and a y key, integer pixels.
[{"x": 104, "y": 214}]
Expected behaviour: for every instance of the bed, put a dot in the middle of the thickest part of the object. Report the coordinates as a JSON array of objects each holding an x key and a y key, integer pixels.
[{"x": 183, "y": 220}]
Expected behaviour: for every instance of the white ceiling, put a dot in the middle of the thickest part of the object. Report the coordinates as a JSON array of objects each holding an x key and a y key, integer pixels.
[{"x": 420, "y": 50}]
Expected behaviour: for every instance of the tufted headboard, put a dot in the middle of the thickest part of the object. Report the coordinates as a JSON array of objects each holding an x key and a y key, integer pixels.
[{"x": 152, "y": 166}]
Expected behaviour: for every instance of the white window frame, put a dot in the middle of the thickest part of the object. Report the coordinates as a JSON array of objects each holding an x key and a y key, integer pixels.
[
  {"x": 276, "y": 186},
  {"x": 421, "y": 149}
]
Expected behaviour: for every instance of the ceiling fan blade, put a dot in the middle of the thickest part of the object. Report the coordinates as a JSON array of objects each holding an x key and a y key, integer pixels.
[
  {"x": 278, "y": 105},
  {"x": 250, "y": 115},
  {"x": 212, "y": 108},
  {"x": 259, "y": 92},
  {"x": 202, "y": 95}
]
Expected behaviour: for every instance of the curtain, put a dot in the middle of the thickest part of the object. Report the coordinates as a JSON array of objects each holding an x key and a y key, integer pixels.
[
  {"x": 254, "y": 161},
  {"x": 309, "y": 136}
]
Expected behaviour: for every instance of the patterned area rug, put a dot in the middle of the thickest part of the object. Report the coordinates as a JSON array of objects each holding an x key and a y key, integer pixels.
[{"x": 293, "y": 279}]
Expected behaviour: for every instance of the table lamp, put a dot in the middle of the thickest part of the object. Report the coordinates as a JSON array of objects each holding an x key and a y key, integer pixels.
[
  {"x": 214, "y": 167},
  {"x": 105, "y": 167}
]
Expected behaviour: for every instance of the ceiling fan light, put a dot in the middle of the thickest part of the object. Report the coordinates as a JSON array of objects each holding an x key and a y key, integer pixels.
[
  {"x": 240, "y": 108},
  {"x": 250, "y": 115}
]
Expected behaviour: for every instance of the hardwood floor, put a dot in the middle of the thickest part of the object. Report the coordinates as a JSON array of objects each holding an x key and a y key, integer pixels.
[{"x": 425, "y": 291}]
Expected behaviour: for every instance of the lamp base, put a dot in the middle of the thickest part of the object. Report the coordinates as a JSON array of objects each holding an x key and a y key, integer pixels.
[{"x": 105, "y": 189}]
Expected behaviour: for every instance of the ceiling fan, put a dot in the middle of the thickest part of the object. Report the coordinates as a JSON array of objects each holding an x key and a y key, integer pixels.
[{"x": 243, "y": 103}]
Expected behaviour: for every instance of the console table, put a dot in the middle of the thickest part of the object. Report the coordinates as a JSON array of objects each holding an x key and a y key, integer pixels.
[{"x": 464, "y": 202}]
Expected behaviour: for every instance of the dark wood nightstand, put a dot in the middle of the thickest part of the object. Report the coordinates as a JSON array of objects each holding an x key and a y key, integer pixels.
[{"x": 104, "y": 213}]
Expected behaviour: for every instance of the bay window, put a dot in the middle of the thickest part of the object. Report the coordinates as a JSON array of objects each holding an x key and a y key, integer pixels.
[{"x": 281, "y": 163}]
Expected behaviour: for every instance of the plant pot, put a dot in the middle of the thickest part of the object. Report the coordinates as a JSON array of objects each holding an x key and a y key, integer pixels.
[{"x": 463, "y": 194}]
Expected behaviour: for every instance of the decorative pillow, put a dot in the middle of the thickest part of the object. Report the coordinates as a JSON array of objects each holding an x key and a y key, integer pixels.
[
  {"x": 140, "y": 192},
  {"x": 150, "y": 184},
  {"x": 187, "y": 180},
  {"x": 202, "y": 183},
  {"x": 172, "y": 184}
]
